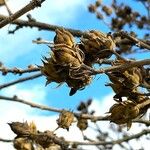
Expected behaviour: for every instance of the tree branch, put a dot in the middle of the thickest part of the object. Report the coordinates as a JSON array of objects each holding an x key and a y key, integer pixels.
[
  {"x": 28, "y": 7},
  {"x": 85, "y": 116},
  {"x": 19, "y": 71},
  {"x": 20, "y": 80},
  {"x": 42, "y": 26},
  {"x": 122, "y": 67}
]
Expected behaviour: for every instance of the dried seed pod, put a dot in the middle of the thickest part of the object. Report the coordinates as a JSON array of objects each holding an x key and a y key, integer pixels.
[
  {"x": 107, "y": 10},
  {"x": 124, "y": 112},
  {"x": 96, "y": 45},
  {"x": 133, "y": 77},
  {"x": 23, "y": 144},
  {"x": 44, "y": 139},
  {"x": 65, "y": 119},
  {"x": 66, "y": 56},
  {"x": 21, "y": 129},
  {"x": 82, "y": 123},
  {"x": 52, "y": 71},
  {"x": 64, "y": 37},
  {"x": 78, "y": 84}
]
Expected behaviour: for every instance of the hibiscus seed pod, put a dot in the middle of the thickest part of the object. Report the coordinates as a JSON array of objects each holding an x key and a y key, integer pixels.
[
  {"x": 124, "y": 112},
  {"x": 66, "y": 56},
  {"x": 82, "y": 123},
  {"x": 96, "y": 45},
  {"x": 23, "y": 144},
  {"x": 78, "y": 84},
  {"x": 51, "y": 71},
  {"x": 63, "y": 37},
  {"x": 65, "y": 119},
  {"x": 21, "y": 129}
]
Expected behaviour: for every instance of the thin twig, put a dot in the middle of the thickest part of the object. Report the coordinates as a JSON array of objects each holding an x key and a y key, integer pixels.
[
  {"x": 20, "y": 80},
  {"x": 5, "y": 140},
  {"x": 122, "y": 67},
  {"x": 138, "y": 42},
  {"x": 19, "y": 71},
  {"x": 42, "y": 107},
  {"x": 9, "y": 11},
  {"x": 28, "y": 7},
  {"x": 42, "y": 26}
]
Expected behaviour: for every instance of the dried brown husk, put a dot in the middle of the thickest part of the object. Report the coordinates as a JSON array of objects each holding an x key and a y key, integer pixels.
[
  {"x": 21, "y": 129},
  {"x": 23, "y": 144},
  {"x": 124, "y": 112},
  {"x": 53, "y": 72},
  {"x": 78, "y": 84},
  {"x": 66, "y": 56},
  {"x": 65, "y": 119},
  {"x": 96, "y": 45},
  {"x": 64, "y": 37}
]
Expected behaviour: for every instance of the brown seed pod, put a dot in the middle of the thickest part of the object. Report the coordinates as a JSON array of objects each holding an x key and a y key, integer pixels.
[
  {"x": 78, "y": 84},
  {"x": 96, "y": 45},
  {"x": 52, "y": 71},
  {"x": 124, "y": 112},
  {"x": 133, "y": 77},
  {"x": 65, "y": 119},
  {"x": 21, "y": 129},
  {"x": 66, "y": 56},
  {"x": 45, "y": 139},
  {"x": 82, "y": 123},
  {"x": 64, "y": 37},
  {"x": 23, "y": 144}
]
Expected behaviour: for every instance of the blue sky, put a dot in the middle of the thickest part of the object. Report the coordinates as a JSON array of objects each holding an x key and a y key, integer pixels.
[
  {"x": 23, "y": 51},
  {"x": 19, "y": 51}
]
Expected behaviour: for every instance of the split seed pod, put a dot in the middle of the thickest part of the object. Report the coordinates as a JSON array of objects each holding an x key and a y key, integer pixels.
[
  {"x": 66, "y": 56},
  {"x": 124, "y": 113},
  {"x": 96, "y": 45},
  {"x": 52, "y": 71},
  {"x": 65, "y": 119},
  {"x": 64, "y": 37},
  {"x": 78, "y": 84},
  {"x": 21, "y": 129},
  {"x": 22, "y": 144}
]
